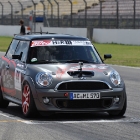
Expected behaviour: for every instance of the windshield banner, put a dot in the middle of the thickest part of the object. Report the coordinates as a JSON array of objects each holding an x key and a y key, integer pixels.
[{"x": 59, "y": 42}]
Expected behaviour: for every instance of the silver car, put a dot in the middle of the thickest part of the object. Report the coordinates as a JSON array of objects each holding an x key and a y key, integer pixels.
[{"x": 55, "y": 73}]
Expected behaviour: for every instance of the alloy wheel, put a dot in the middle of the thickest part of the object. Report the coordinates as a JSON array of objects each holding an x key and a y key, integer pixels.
[{"x": 26, "y": 99}]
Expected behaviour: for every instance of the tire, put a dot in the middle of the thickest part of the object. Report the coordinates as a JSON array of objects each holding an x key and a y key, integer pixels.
[
  {"x": 3, "y": 103},
  {"x": 119, "y": 113},
  {"x": 28, "y": 105}
]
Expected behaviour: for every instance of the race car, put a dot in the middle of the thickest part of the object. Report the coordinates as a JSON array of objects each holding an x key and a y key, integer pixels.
[{"x": 57, "y": 73}]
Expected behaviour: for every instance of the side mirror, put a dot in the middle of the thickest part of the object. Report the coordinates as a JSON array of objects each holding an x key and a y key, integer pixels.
[
  {"x": 106, "y": 56},
  {"x": 17, "y": 56}
]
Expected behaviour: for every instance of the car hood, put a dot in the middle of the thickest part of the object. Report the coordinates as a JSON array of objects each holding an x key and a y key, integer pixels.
[{"x": 62, "y": 70}]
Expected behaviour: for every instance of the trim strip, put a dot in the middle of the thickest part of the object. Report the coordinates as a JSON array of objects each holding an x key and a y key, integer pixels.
[{"x": 81, "y": 81}]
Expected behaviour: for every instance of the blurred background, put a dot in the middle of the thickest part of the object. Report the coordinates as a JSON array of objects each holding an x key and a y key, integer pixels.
[{"x": 112, "y": 14}]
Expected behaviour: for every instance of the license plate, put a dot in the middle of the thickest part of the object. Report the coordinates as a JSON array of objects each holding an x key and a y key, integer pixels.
[{"x": 93, "y": 95}]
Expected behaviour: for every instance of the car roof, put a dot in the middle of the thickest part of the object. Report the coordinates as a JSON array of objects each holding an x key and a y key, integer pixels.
[{"x": 49, "y": 36}]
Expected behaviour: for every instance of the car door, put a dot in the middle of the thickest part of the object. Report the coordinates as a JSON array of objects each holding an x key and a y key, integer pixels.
[
  {"x": 20, "y": 69},
  {"x": 7, "y": 76}
]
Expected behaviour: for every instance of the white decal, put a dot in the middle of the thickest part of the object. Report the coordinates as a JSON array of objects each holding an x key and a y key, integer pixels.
[
  {"x": 62, "y": 42},
  {"x": 85, "y": 67},
  {"x": 17, "y": 79},
  {"x": 20, "y": 65},
  {"x": 102, "y": 67}
]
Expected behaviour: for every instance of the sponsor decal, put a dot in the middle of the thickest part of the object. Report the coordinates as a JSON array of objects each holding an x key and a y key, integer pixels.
[
  {"x": 33, "y": 59},
  {"x": 7, "y": 79},
  {"x": 78, "y": 42},
  {"x": 62, "y": 42},
  {"x": 59, "y": 42},
  {"x": 40, "y": 43},
  {"x": 17, "y": 79},
  {"x": 88, "y": 43},
  {"x": 20, "y": 65},
  {"x": 82, "y": 42}
]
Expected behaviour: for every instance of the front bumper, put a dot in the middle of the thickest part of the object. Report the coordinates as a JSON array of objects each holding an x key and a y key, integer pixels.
[{"x": 60, "y": 103}]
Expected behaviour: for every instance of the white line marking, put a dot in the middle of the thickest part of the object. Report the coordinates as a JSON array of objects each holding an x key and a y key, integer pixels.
[
  {"x": 130, "y": 120},
  {"x": 7, "y": 116},
  {"x": 27, "y": 122}
]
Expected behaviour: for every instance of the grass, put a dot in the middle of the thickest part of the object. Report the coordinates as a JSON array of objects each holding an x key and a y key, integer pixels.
[
  {"x": 4, "y": 43},
  {"x": 126, "y": 55}
]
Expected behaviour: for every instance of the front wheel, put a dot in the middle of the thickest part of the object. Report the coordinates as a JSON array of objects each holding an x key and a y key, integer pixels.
[
  {"x": 119, "y": 113},
  {"x": 28, "y": 105}
]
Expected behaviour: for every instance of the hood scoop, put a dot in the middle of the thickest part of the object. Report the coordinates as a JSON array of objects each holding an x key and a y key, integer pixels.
[{"x": 76, "y": 74}]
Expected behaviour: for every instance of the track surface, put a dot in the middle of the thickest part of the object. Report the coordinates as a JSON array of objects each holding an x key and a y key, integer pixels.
[{"x": 96, "y": 126}]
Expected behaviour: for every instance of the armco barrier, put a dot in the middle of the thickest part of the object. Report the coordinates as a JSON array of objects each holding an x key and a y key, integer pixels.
[
  {"x": 11, "y": 30},
  {"x": 119, "y": 36}
]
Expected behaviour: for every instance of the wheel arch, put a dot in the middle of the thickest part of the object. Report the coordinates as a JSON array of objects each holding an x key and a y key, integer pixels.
[{"x": 31, "y": 83}]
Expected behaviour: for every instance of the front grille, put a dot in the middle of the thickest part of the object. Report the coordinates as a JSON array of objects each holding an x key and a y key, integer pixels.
[
  {"x": 83, "y": 86},
  {"x": 75, "y": 104}
]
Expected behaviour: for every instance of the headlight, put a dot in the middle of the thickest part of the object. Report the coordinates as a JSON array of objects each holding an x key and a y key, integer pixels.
[
  {"x": 115, "y": 78},
  {"x": 44, "y": 79}
]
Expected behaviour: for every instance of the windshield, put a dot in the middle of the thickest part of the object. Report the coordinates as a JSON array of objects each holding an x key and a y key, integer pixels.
[{"x": 64, "y": 54}]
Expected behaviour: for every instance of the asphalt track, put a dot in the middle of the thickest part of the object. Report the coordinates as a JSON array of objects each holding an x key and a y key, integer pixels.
[{"x": 95, "y": 126}]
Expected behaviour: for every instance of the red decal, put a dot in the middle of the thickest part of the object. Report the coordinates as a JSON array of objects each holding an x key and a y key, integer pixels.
[
  {"x": 9, "y": 91},
  {"x": 13, "y": 63},
  {"x": 60, "y": 73},
  {"x": 40, "y": 43},
  {"x": 7, "y": 60}
]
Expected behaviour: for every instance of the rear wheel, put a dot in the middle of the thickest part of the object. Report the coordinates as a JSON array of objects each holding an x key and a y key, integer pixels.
[
  {"x": 119, "y": 113},
  {"x": 28, "y": 105},
  {"x": 3, "y": 103}
]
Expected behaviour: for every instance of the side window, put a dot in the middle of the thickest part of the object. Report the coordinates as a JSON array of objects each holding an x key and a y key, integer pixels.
[
  {"x": 12, "y": 48},
  {"x": 22, "y": 47}
]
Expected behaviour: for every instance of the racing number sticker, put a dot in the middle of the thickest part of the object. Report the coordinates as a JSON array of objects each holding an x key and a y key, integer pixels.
[{"x": 17, "y": 79}]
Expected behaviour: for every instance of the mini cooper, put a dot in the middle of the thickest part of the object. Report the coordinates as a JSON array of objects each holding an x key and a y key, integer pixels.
[{"x": 58, "y": 73}]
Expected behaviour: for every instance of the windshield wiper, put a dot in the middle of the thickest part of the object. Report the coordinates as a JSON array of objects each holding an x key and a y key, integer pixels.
[{"x": 79, "y": 60}]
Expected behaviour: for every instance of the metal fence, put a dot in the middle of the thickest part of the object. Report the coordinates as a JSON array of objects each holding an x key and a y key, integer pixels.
[{"x": 73, "y": 13}]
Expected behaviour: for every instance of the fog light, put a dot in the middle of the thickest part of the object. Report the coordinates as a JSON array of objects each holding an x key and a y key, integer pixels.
[
  {"x": 116, "y": 99},
  {"x": 46, "y": 100}
]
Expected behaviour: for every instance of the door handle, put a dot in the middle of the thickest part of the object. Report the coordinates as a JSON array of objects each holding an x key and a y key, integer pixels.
[{"x": 7, "y": 67}]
